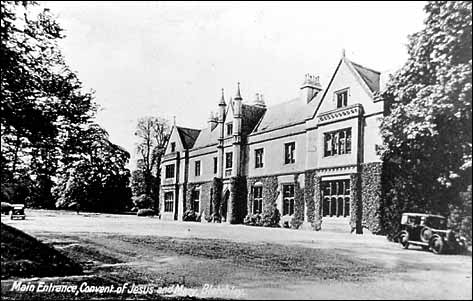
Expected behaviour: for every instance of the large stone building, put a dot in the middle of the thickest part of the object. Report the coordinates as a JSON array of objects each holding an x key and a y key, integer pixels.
[{"x": 314, "y": 157}]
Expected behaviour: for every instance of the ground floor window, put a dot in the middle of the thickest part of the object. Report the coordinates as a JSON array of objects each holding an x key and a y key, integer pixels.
[
  {"x": 336, "y": 198},
  {"x": 168, "y": 201},
  {"x": 196, "y": 200},
  {"x": 257, "y": 199},
  {"x": 288, "y": 199}
]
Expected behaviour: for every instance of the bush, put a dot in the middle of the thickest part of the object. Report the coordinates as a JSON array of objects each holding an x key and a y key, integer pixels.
[
  {"x": 253, "y": 220},
  {"x": 295, "y": 223},
  {"x": 271, "y": 218},
  {"x": 145, "y": 212},
  {"x": 142, "y": 201},
  {"x": 189, "y": 216}
]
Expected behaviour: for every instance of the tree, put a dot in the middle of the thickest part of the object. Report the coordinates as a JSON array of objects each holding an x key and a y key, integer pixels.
[
  {"x": 42, "y": 106},
  {"x": 428, "y": 132},
  {"x": 98, "y": 181},
  {"x": 153, "y": 134}
]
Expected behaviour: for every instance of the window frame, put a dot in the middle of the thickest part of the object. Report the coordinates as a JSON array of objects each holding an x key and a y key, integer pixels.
[
  {"x": 257, "y": 207},
  {"x": 346, "y": 92},
  {"x": 332, "y": 142},
  {"x": 197, "y": 168},
  {"x": 259, "y": 151},
  {"x": 196, "y": 200},
  {"x": 173, "y": 147},
  {"x": 166, "y": 176},
  {"x": 288, "y": 200},
  {"x": 215, "y": 165},
  {"x": 229, "y": 128},
  {"x": 168, "y": 203},
  {"x": 292, "y": 158}
]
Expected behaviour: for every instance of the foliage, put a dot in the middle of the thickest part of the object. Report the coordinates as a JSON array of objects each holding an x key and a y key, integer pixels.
[
  {"x": 98, "y": 180},
  {"x": 428, "y": 131},
  {"x": 191, "y": 216},
  {"x": 145, "y": 212},
  {"x": 253, "y": 219},
  {"x": 43, "y": 106},
  {"x": 142, "y": 201},
  {"x": 153, "y": 134}
]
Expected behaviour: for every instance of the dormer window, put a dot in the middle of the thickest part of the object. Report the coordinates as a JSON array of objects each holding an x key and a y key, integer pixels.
[
  {"x": 173, "y": 147},
  {"x": 229, "y": 129},
  {"x": 342, "y": 98}
]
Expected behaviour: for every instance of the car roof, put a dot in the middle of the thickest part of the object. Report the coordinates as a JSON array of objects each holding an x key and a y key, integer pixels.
[{"x": 424, "y": 214}]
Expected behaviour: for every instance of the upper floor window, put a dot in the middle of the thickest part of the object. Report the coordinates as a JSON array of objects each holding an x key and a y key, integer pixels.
[
  {"x": 228, "y": 163},
  {"x": 288, "y": 199},
  {"x": 337, "y": 142},
  {"x": 342, "y": 98},
  {"x": 215, "y": 165},
  {"x": 169, "y": 171},
  {"x": 173, "y": 147},
  {"x": 258, "y": 158},
  {"x": 289, "y": 153},
  {"x": 197, "y": 168},
  {"x": 229, "y": 129},
  {"x": 257, "y": 199},
  {"x": 168, "y": 201}
]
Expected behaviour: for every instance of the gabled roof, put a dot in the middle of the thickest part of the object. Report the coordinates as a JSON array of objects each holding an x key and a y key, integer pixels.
[
  {"x": 207, "y": 137},
  {"x": 286, "y": 114},
  {"x": 188, "y": 136},
  {"x": 369, "y": 76},
  {"x": 251, "y": 115}
]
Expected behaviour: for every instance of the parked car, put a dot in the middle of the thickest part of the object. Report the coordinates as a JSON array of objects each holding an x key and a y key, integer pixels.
[
  {"x": 430, "y": 232},
  {"x": 6, "y": 208},
  {"x": 18, "y": 211}
]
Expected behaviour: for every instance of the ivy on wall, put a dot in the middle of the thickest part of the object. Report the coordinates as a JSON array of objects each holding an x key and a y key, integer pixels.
[
  {"x": 371, "y": 196},
  {"x": 355, "y": 204}
]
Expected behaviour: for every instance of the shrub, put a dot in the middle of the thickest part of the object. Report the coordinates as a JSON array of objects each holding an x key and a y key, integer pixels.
[
  {"x": 142, "y": 201},
  {"x": 253, "y": 220},
  {"x": 189, "y": 216},
  {"x": 145, "y": 212},
  {"x": 271, "y": 218},
  {"x": 295, "y": 223}
]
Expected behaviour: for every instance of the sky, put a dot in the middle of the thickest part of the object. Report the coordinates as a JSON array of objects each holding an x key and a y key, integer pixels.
[{"x": 173, "y": 58}]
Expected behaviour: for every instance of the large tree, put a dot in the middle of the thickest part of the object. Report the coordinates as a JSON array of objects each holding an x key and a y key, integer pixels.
[
  {"x": 43, "y": 106},
  {"x": 428, "y": 132},
  {"x": 98, "y": 179},
  {"x": 153, "y": 134}
]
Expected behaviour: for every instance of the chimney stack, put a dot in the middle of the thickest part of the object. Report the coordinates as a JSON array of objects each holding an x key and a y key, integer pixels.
[{"x": 310, "y": 87}]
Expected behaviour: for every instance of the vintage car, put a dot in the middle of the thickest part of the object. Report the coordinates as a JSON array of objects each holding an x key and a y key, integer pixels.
[
  {"x": 18, "y": 211},
  {"x": 429, "y": 232}
]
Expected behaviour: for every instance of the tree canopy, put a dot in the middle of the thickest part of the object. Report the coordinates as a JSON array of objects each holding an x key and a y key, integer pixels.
[
  {"x": 46, "y": 115},
  {"x": 428, "y": 131}
]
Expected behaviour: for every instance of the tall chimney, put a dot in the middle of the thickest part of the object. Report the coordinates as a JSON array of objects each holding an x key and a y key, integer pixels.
[{"x": 310, "y": 87}]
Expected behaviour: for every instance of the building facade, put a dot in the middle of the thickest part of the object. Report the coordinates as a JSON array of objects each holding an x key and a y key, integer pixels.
[{"x": 313, "y": 157}]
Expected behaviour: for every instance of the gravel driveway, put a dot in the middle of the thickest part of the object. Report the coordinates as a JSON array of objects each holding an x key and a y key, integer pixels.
[{"x": 279, "y": 263}]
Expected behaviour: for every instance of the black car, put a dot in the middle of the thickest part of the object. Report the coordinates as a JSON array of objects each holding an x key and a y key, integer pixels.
[{"x": 430, "y": 232}]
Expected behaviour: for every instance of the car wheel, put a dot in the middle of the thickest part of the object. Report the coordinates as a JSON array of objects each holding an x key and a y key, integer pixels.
[
  {"x": 437, "y": 245},
  {"x": 425, "y": 234},
  {"x": 403, "y": 240}
]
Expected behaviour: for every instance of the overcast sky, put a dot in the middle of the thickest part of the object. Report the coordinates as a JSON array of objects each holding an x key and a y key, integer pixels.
[{"x": 165, "y": 59}]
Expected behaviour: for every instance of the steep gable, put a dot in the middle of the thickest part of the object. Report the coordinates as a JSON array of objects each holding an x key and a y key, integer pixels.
[
  {"x": 361, "y": 83},
  {"x": 188, "y": 136}
]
